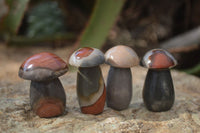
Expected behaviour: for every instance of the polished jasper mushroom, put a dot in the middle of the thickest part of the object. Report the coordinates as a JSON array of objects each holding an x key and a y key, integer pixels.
[
  {"x": 158, "y": 91},
  {"x": 91, "y": 90},
  {"x": 47, "y": 95},
  {"x": 119, "y": 82}
]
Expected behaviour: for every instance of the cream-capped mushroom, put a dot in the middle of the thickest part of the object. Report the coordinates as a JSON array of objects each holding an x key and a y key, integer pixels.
[
  {"x": 121, "y": 56},
  {"x": 119, "y": 82}
]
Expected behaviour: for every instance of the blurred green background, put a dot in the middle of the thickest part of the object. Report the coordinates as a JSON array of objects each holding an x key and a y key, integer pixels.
[{"x": 140, "y": 24}]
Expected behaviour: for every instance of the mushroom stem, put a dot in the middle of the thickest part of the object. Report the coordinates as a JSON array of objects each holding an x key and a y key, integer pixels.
[
  {"x": 47, "y": 98},
  {"x": 91, "y": 90},
  {"x": 158, "y": 91},
  {"x": 119, "y": 88}
]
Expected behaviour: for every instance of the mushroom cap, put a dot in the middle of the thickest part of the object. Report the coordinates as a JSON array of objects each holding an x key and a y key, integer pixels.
[
  {"x": 42, "y": 66},
  {"x": 86, "y": 57},
  {"x": 159, "y": 59},
  {"x": 121, "y": 56}
]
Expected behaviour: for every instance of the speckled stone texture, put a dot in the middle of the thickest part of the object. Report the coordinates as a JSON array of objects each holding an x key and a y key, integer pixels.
[{"x": 15, "y": 114}]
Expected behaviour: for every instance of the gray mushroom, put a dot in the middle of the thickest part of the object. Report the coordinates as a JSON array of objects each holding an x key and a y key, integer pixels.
[
  {"x": 91, "y": 90},
  {"x": 119, "y": 82}
]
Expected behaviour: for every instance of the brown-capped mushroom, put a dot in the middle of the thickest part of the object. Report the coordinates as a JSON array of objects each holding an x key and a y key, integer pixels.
[
  {"x": 119, "y": 82},
  {"x": 47, "y": 95},
  {"x": 158, "y": 91},
  {"x": 91, "y": 90}
]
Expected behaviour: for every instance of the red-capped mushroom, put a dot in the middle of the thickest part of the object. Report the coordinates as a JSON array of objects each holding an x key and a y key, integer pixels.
[
  {"x": 90, "y": 84},
  {"x": 158, "y": 91},
  {"x": 119, "y": 82},
  {"x": 47, "y": 95}
]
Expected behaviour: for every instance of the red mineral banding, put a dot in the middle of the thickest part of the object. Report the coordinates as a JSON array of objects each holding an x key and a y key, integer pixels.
[
  {"x": 44, "y": 60},
  {"x": 49, "y": 108},
  {"x": 83, "y": 52},
  {"x": 97, "y": 107},
  {"x": 160, "y": 60}
]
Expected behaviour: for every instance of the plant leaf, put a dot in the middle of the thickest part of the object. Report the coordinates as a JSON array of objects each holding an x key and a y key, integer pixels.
[
  {"x": 102, "y": 19},
  {"x": 194, "y": 70},
  {"x": 16, "y": 9}
]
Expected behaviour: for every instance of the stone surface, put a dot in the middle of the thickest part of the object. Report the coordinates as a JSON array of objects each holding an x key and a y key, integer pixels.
[{"x": 16, "y": 116}]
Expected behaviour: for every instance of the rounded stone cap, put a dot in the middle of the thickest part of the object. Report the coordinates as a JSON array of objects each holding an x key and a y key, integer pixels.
[
  {"x": 87, "y": 57},
  {"x": 42, "y": 66},
  {"x": 159, "y": 59},
  {"x": 121, "y": 56}
]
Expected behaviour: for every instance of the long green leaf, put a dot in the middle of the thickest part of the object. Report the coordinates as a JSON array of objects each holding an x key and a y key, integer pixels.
[
  {"x": 10, "y": 23},
  {"x": 194, "y": 70},
  {"x": 102, "y": 19}
]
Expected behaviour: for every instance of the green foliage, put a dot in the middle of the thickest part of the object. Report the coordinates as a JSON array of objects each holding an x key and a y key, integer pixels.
[
  {"x": 102, "y": 19},
  {"x": 45, "y": 19},
  {"x": 13, "y": 13},
  {"x": 195, "y": 70}
]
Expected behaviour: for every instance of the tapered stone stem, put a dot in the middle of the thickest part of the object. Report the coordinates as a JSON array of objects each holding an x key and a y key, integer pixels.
[
  {"x": 119, "y": 88},
  {"x": 91, "y": 90},
  {"x": 158, "y": 91},
  {"x": 47, "y": 98}
]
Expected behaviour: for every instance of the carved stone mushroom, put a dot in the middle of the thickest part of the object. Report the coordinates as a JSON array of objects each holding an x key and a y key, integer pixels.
[
  {"x": 119, "y": 83},
  {"x": 158, "y": 91},
  {"x": 91, "y": 89},
  {"x": 47, "y": 95}
]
